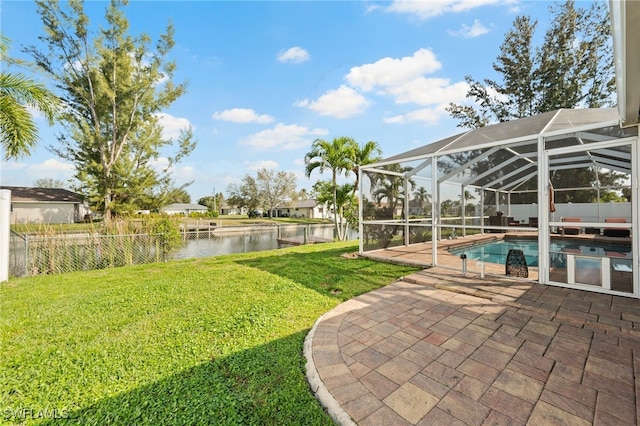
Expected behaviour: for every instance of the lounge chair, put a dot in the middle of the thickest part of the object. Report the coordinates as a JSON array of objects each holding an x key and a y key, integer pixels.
[
  {"x": 616, "y": 232},
  {"x": 571, "y": 230}
]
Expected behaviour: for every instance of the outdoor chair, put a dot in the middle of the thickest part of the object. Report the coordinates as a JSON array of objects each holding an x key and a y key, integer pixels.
[
  {"x": 616, "y": 232},
  {"x": 571, "y": 230}
]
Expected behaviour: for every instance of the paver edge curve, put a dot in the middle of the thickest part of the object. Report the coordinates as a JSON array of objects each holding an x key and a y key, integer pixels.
[{"x": 317, "y": 386}]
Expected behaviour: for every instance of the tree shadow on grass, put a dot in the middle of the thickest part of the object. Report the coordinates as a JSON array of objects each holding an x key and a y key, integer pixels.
[
  {"x": 262, "y": 385},
  {"x": 329, "y": 272}
]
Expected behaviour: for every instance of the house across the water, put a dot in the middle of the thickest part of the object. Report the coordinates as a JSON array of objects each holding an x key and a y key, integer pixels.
[{"x": 45, "y": 205}]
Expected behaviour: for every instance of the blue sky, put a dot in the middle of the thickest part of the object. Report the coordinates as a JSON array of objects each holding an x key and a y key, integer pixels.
[{"x": 268, "y": 78}]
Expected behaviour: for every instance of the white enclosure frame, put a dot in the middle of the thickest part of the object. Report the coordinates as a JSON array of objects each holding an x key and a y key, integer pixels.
[{"x": 571, "y": 134}]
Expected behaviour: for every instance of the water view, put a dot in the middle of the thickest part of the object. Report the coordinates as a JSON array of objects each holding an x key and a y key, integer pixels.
[{"x": 205, "y": 245}]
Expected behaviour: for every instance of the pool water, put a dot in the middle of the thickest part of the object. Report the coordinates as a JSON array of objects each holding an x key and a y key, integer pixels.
[{"x": 496, "y": 251}]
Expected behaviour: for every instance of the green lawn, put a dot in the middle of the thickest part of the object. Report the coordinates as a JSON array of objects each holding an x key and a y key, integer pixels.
[{"x": 203, "y": 341}]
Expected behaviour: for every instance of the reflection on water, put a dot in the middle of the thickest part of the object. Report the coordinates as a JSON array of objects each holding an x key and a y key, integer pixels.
[{"x": 247, "y": 241}]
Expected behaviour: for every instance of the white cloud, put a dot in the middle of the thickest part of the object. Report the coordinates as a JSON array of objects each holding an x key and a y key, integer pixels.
[
  {"x": 404, "y": 79},
  {"x": 171, "y": 126},
  {"x": 160, "y": 164},
  {"x": 371, "y": 7},
  {"x": 17, "y": 173},
  {"x": 294, "y": 54},
  {"x": 52, "y": 166},
  {"x": 242, "y": 115},
  {"x": 283, "y": 137},
  {"x": 429, "y": 91},
  {"x": 342, "y": 102},
  {"x": 429, "y": 9},
  {"x": 262, "y": 164},
  {"x": 430, "y": 116},
  {"x": 466, "y": 31},
  {"x": 181, "y": 174},
  {"x": 392, "y": 72}
]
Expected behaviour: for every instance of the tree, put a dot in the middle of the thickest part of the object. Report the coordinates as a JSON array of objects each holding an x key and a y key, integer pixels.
[
  {"x": 276, "y": 189},
  {"x": 48, "y": 183},
  {"x": 244, "y": 194},
  {"x": 446, "y": 207},
  {"x": 113, "y": 87},
  {"x": 572, "y": 68},
  {"x": 303, "y": 194},
  {"x": 365, "y": 154},
  {"x": 391, "y": 188},
  {"x": 346, "y": 201},
  {"x": 341, "y": 156},
  {"x": 19, "y": 94},
  {"x": 338, "y": 157},
  {"x": 213, "y": 202},
  {"x": 178, "y": 195},
  {"x": 267, "y": 190},
  {"x": 575, "y": 62},
  {"x": 422, "y": 198}
]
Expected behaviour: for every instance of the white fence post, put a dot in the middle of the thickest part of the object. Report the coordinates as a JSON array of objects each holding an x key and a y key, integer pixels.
[{"x": 5, "y": 214}]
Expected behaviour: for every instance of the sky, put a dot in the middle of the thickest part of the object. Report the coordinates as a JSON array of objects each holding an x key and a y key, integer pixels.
[{"x": 267, "y": 78}]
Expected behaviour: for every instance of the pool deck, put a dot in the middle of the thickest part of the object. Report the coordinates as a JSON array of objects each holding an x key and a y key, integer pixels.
[
  {"x": 437, "y": 347},
  {"x": 421, "y": 254}
]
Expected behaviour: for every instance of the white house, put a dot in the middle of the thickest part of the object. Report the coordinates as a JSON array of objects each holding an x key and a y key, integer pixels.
[
  {"x": 45, "y": 205},
  {"x": 183, "y": 208},
  {"x": 304, "y": 208},
  {"x": 230, "y": 210}
]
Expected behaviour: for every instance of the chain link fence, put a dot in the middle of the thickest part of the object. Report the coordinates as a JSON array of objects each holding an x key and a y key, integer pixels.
[
  {"x": 55, "y": 254},
  {"x": 39, "y": 255}
]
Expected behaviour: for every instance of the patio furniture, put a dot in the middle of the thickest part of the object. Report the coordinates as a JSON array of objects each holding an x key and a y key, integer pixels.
[
  {"x": 571, "y": 230},
  {"x": 533, "y": 222},
  {"x": 616, "y": 232},
  {"x": 497, "y": 220}
]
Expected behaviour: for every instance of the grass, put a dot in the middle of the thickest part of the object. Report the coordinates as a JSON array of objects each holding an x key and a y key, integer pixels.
[{"x": 202, "y": 341}]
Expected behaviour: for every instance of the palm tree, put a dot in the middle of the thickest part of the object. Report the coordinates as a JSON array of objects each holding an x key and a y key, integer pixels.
[
  {"x": 336, "y": 156},
  {"x": 366, "y": 154},
  {"x": 467, "y": 196},
  {"x": 19, "y": 94},
  {"x": 391, "y": 188},
  {"x": 422, "y": 197}
]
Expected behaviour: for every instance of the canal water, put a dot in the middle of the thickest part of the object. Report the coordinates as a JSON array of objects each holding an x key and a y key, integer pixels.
[{"x": 203, "y": 244}]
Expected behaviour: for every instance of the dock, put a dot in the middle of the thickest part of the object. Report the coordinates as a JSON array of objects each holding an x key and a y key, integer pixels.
[{"x": 298, "y": 241}]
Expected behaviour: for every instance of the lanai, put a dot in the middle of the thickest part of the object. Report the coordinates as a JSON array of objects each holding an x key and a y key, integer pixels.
[
  {"x": 522, "y": 166},
  {"x": 518, "y": 166}
]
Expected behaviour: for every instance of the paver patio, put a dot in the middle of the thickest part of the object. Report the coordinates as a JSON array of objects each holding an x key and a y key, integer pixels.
[{"x": 437, "y": 347}]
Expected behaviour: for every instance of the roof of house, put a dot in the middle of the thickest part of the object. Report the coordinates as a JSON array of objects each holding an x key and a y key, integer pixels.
[
  {"x": 184, "y": 206},
  {"x": 54, "y": 195},
  {"x": 305, "y": 204},
  {"x": 300, "y": 204}
]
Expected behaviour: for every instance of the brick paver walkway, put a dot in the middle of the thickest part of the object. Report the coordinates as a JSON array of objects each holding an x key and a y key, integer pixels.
[{"x": 437, "y": 348}]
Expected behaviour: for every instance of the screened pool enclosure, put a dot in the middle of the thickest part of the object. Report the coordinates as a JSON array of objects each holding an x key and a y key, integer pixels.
[{"x": 565, "y": 180}]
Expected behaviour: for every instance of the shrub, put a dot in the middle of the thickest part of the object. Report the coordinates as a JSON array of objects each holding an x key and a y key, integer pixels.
[{"x": 170, "y": 238}]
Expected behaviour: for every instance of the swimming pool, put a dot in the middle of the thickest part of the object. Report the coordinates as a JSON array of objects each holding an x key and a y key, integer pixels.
[{"x": 496, "y": 251}]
